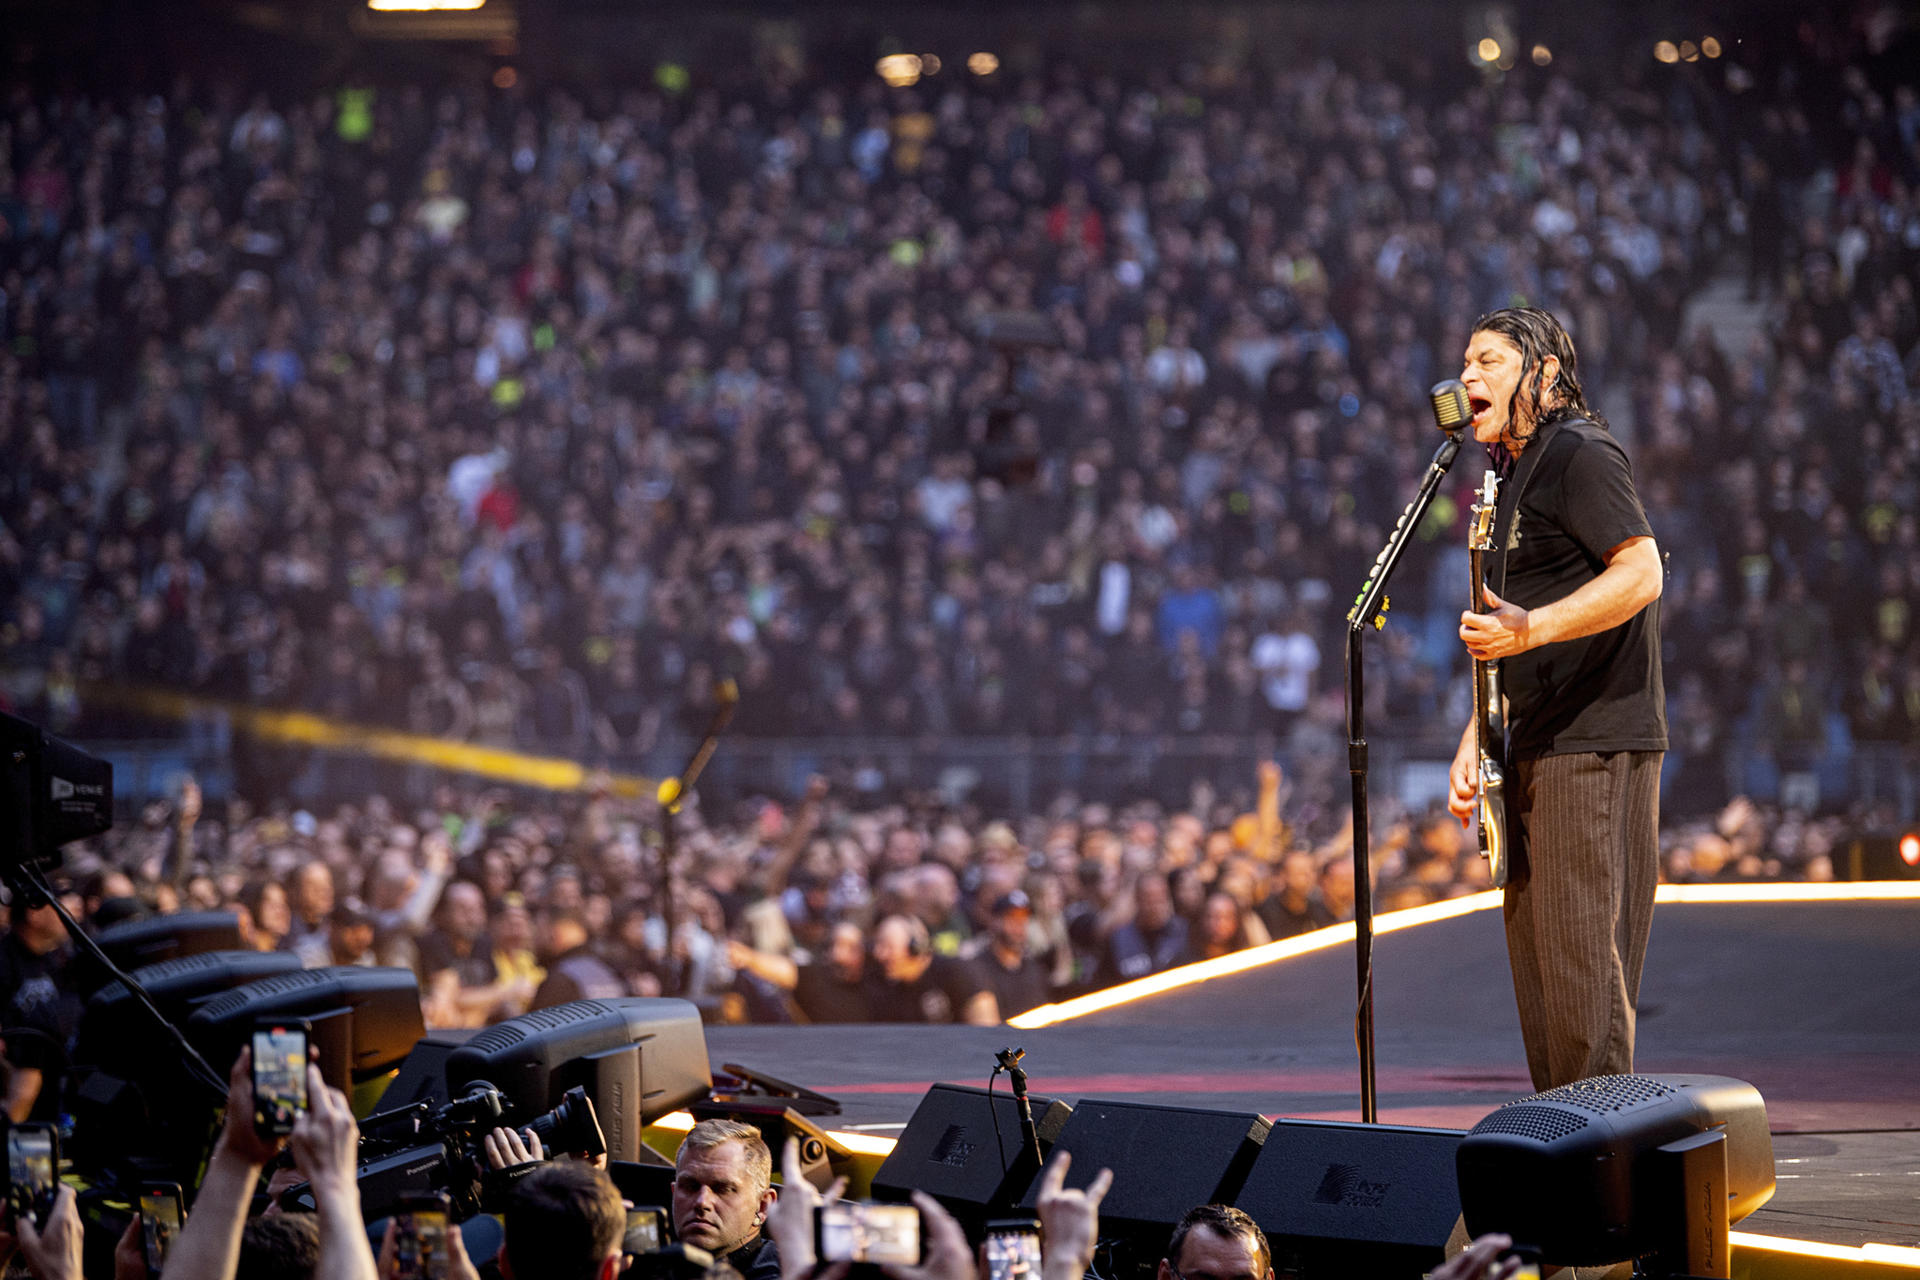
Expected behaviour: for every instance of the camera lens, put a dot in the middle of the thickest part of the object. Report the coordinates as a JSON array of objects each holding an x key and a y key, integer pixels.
[{"x": 572, "y": 1126}]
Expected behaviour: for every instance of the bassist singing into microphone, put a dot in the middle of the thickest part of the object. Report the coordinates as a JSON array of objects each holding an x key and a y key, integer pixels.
[{"x": 1570, "y": 615}]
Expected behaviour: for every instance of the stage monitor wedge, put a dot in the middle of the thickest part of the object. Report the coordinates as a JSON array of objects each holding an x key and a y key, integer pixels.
[
  {"x": 1575, "y": 1171},
  {"x": 381, "y": 1027},
  {"x": 951, "y": 1151},
  {"x": 1165, "y": 1160},
  {"x": 1338, "y": 1198}
]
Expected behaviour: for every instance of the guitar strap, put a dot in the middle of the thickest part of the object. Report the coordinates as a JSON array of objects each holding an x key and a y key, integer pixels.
[{"x": 1506, "y": 512}]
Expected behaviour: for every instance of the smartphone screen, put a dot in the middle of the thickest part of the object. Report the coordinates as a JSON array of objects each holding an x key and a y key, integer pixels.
[
  {"x": 30, "y": 1167},
  {"x": 420, "y": 1239},
  {"x": 643, "y": 1231},
  {"x": 161, "y": 1218},
  {"x": 851, "y": 1231},
  {"x": 279, "y": 1075},
  {"x": 1013, "y": 1253}
]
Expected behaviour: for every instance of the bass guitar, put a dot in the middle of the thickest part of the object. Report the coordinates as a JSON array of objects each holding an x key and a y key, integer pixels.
[{"x": 1489, "y": 709}]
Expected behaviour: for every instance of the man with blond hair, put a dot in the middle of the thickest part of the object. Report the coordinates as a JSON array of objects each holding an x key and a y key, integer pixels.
[{"x": 722, "y": 1190}]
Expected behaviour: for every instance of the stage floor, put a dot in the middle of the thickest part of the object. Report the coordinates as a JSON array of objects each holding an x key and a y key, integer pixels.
[{"x": 1815, "y": 1003}]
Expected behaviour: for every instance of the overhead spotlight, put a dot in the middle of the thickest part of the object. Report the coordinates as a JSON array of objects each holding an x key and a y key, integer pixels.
[
  {"x": 505, "y": 78},
  {"x": 1488, "y": 49},
  {"x": 1910, "y": 849},
  {"x": 1666, "y": 52},
  {"x": 930, "y": 64},
  {"x": 983, "y": 63},
  {"x": 1542, "y": 55},
  {"x": 1710, "y": 47},
  {"x": 1689, "y": 51},
  {"x": 899, "y": 69}
]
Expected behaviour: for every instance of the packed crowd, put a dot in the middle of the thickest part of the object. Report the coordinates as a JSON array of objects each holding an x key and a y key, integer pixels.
[
  {"x": 519, "y": 417},
  {"x": 816, "y": 911}
]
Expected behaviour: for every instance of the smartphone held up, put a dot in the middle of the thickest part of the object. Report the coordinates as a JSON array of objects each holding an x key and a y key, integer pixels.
[
  {"x": 33, "y": 1168},
  {"x": 857, "y": 1231},
  {"x": 280, "y": 1056}
]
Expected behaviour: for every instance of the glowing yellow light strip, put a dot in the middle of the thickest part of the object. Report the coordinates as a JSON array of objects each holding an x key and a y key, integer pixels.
[
  {"x": 865, "y": 1144},
  {"x": 1837, "y": 891},
  {"x": 1252, "y": 958},
  {"x": 551, "y": 773},
  {"x": 1886, "y": 1255},
  {"x": 412, "y": 6},
  {"x": 1393, "y": 921}
]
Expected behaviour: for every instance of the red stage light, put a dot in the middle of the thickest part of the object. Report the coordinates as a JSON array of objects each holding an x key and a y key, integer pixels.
[{"x": 1910, "y": 849}]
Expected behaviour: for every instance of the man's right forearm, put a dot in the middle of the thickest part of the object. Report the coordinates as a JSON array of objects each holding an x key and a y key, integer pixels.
[{"x": 208, "y": 1246}]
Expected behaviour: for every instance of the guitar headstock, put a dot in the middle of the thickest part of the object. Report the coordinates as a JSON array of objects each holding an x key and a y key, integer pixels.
[{"x": 1480, "y": 537}]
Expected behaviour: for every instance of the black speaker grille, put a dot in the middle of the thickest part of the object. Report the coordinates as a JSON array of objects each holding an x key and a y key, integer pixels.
[
  {"x": 507, "y": 1034},
  {"x": 1601, "y": 1094},
  {"x": 278, "y": 984},
  {"x": 1542, "y": 1124}
]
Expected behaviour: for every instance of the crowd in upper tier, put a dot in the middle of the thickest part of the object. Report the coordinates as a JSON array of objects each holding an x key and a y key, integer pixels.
[{"x": 516, "y": 416}]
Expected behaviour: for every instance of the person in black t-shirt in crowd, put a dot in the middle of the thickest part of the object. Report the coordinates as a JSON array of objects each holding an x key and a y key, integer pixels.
[
  {"x": 38, "y": 1007},
  {"x": 1018, "y": 978},
  {"x": 825, "y": 988},
  {"x": 1156, "y": 937},
  {"x": 912, "y": 984},
  {"x": 1571, "y": 588},
  {"x": 1297, "y": 907},
  {"x": 574, "y": 970}
]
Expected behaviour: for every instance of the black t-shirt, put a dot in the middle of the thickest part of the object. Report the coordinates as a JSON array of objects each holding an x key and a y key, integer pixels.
[
  {"x": 940, "y": 994},
  {"x": 35, "y": 994},
  {"x": 578, "y": 975},
  {"x": 824, "y": 996},
  {"x": 1026, "y": 986},
  {"x": 757, "y": 1259},
  {"x": 1602, "y": 692},
  {"x": 1284, "y": 922}
]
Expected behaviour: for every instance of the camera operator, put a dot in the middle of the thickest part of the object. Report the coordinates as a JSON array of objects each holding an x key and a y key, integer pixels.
[
  {"x": 325, "y": 1144},
  {"x": 722, "y": 1192}
]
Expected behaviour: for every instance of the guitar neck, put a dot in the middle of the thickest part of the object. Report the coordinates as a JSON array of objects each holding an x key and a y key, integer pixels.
[{"x": 1478, "y": 604}]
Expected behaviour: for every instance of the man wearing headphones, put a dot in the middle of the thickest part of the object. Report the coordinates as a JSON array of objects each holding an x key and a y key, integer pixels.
[
  {"x": 915, "y": 985},
  {"x": 722, "y": 1189}
]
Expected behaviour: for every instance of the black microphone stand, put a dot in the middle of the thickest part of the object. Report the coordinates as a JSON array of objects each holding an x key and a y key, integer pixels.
[
  {"x": 1009, "y": 1060},
  {"x": 1370, "y": 608}
]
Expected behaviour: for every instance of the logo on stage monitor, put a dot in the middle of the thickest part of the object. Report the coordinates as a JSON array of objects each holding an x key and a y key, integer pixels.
[
  {"x": 1342, "y": 1185},
  {"x": 953, "y": 1149}
]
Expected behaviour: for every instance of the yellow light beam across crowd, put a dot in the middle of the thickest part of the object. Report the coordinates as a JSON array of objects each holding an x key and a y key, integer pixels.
[
  {"x": 1393, "y": 921},
  {"x": 550, "y": 773}
]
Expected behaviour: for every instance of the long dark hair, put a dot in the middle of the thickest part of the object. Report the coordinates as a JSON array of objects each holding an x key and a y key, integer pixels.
[{"x": 1539, "y": 334}]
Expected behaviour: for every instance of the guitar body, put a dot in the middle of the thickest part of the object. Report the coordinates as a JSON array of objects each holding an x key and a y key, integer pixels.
[
  {"x": 1493, "y": 780},
  {"x": 1489, "y": 703}
]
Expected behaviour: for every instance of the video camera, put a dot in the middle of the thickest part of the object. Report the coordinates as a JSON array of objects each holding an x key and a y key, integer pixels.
[
  {"x": 51, "y": 793},
  {"x": 423, "y": 1148}
]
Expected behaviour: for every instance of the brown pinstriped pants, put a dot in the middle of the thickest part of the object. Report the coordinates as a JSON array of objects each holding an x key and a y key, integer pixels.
[{"x": 1585, "y": 834}]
